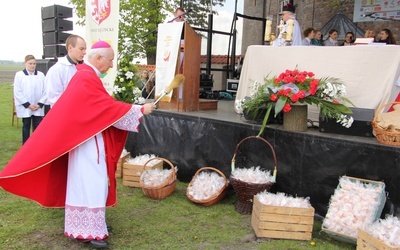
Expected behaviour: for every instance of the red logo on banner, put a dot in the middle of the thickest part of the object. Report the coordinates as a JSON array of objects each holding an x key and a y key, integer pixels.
[{"x": 100, "y": 10}]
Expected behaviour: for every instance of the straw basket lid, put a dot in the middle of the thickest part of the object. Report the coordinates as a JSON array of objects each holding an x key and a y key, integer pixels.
[
  {"x": 162, "y": 190},
  {"x": 215, "y": 197}
]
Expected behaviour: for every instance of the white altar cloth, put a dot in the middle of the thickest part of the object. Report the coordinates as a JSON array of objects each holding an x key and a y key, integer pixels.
[{"x": 369, "y": 72}]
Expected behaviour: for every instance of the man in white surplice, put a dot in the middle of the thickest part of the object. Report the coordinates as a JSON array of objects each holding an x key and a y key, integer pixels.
[
  {"x": 88, "y": 178},
  {"x": 286, "y": 14}
]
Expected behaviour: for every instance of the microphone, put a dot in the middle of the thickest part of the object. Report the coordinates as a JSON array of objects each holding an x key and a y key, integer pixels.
[
  {"x": 186, "y": 12},
  {"x": 368, "y": 15}
]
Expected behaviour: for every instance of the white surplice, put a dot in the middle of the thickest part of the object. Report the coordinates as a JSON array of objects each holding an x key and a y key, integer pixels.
[{"x": 87, "y": 184}]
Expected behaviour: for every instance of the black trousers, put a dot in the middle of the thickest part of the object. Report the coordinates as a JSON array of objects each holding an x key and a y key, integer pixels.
[{"x": 27, "y": 123}]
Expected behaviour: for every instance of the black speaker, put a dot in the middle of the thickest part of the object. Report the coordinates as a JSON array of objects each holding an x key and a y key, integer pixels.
[
  {"x": 56, "y": 24},
  {"x": 360, "y": 127},
  {"x": 44, "y": 65},
  {"x": 55, "y": 11},
  {"x": 54, "y": 51},
  {"x": 55, "y": 37}
]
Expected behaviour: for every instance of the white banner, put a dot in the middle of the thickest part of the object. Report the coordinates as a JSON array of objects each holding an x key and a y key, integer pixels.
[
  {"x": 102, "y": 20},
  {"x": 168, "y": 46},
  {"x": 376, "y": 10}
]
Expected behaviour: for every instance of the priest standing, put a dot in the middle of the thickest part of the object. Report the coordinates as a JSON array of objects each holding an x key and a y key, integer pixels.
[
  {"x": 80, "y": 140},
  {"x": 288, "y": 17}
]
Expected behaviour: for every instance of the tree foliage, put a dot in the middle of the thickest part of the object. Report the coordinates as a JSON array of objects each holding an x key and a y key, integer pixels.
[{"x": 139, "y": 20}]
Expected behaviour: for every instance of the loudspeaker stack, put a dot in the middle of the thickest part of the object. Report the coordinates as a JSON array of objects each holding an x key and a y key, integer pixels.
[{"x": 54, "y": 25}]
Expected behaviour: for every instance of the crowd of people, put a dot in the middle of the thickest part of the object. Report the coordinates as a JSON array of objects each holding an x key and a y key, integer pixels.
[{"x": 314, "y": 37}]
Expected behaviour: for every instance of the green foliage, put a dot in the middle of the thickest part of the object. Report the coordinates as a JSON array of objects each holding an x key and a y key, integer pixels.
[
  {"x": 127, "y": 82},
  {"x": 139, "y": 20}
]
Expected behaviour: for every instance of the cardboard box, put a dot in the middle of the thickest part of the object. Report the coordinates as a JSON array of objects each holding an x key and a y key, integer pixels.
[
  {"x": 121, "y": 161},
  {"x": 282, "y": 222},
  {"x": 131, "y": 173},
  {"x": 365, "y": 241}
]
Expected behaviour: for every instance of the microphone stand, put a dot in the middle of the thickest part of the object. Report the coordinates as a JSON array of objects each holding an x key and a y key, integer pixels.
[
  {"x": 151, "y": 32},
  {"x": 177, "y": 17}
]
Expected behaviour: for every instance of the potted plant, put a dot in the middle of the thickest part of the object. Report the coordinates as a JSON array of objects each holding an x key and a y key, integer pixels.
[{"x": 295, "y": 87}]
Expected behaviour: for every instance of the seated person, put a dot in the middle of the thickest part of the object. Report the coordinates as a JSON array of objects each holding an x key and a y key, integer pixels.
[
  {"x": 332, "y": 39},
  {"x": 349, "y": 39},
  {"x": 386, "y": 36},
  {"x": 309, "y": 34},
  {"x": 317, "y": 40}
]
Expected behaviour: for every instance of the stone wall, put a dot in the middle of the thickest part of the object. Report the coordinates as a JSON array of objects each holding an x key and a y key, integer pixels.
[{"x": 309, "y": 13}]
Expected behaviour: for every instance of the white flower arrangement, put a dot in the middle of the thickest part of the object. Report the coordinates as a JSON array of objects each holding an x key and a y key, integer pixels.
[{"x": 126, "y": 83}]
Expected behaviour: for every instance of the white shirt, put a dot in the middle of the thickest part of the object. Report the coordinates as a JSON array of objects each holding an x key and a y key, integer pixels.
[
  {"x": 57, "y": 79},
  {"x": 29, "y": 88},
  {"x": 306, "y": 41}
]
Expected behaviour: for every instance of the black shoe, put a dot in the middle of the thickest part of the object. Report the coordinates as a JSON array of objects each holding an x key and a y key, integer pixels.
[
  {"x": 98, "y": 244},
  {"x": 83, "y": 240}
]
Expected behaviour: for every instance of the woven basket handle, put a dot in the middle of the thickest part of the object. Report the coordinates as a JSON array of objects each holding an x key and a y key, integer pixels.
[
  {"x": 259, "y": 138},
  {"x": 210, "y": 168},
  {"x": 379, "y": 110},
  {"x": 172, "y": 176}
]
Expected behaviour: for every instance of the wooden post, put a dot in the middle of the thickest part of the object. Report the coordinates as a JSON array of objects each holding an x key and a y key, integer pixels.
[{"x": 296, "y": 119}]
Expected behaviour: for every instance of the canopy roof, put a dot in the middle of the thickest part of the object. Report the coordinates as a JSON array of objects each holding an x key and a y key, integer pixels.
[{"x": 342, "y": 24}]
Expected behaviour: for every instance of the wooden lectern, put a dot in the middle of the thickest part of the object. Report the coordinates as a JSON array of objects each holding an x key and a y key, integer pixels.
[{"x": 189, "y": 100}]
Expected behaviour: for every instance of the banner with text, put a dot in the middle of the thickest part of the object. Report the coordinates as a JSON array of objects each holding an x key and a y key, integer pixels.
[
  {"x": 168, "y": 45},
  {"x": 102, "y": 20}
]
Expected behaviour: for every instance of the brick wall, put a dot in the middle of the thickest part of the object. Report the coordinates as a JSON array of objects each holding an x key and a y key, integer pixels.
[{"x": 309, "y": 13}]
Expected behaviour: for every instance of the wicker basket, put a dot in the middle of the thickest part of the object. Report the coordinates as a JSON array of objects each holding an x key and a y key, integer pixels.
[
  {"x": 245, "y": 190},
  {"x": 213, "y": 199},
  {"x": 383, "y": 136},
  {"x": 163, "y": 190}
]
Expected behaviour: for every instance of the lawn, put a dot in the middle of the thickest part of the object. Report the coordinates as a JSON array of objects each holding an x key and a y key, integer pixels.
[{"x": 137, "y": 221}]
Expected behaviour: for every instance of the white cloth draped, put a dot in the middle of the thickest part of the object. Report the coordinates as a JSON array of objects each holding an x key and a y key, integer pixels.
[{"x": 369, "y": 83}]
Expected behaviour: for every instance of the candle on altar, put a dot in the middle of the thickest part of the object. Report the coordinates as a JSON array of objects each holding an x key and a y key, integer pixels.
[
  {"x": 289, "y": 30},
  {"x": 267, "y": 35}
]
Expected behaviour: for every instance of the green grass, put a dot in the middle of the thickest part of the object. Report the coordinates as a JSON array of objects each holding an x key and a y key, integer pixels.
[{"x": 138, "y": 222}]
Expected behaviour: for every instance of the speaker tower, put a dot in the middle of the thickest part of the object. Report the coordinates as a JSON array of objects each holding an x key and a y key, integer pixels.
[{"x": 54, "y": 25}]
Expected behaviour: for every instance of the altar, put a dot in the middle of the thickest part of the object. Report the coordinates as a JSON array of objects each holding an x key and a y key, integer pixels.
[{"x": 370, "y": 72}]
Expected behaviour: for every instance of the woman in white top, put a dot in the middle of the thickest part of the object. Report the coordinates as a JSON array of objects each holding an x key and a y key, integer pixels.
[
  {"x": 332, "y": 39},
  {"x": 29, "y": 96}
]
